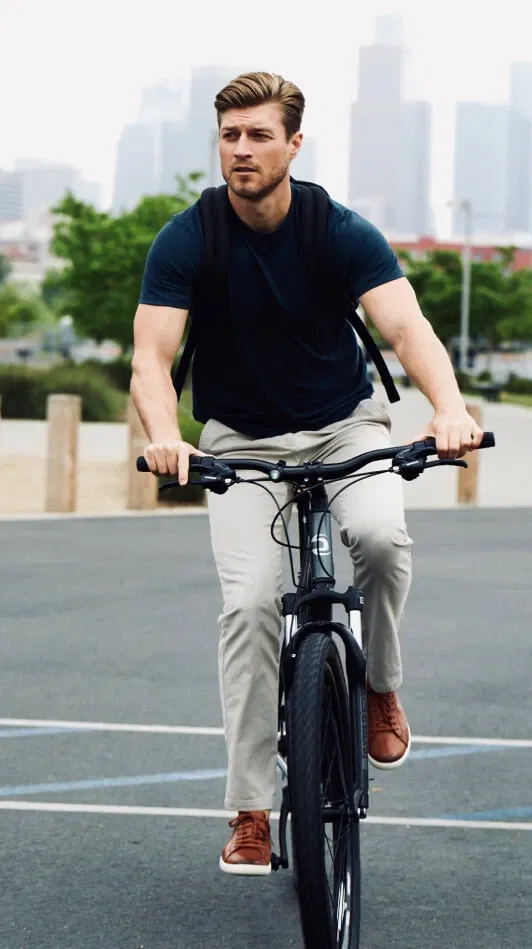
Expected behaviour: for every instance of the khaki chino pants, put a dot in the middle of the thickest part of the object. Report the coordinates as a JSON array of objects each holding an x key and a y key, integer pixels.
[{"x": 249, "y": 564}]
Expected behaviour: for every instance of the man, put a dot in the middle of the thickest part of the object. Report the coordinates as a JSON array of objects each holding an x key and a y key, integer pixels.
[{"x": 277, "y": 376}]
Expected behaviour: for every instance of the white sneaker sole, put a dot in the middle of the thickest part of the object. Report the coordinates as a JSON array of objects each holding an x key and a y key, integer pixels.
[
  {"x": 245, "y": 869},
  {"x": 392, "y": 765}
]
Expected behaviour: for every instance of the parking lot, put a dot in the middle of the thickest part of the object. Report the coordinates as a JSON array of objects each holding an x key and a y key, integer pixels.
[{"x": 113, "y": 761}]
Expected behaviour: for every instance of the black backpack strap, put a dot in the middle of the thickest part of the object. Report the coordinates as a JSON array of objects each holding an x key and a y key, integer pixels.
[
  {"x": 212, "y": 278},
  {"x": 312, "y": 229}
]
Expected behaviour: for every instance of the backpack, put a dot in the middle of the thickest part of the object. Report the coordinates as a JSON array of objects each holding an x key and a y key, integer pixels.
[{"x": 311, "y": 228}]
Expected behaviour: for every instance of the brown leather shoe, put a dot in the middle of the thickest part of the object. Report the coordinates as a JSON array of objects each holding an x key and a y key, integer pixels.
[
  {"x": 389, "y": 737},
  {"x": 249, "y": 851}
]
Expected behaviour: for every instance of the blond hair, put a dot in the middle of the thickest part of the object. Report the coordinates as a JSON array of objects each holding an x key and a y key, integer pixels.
[{"x": 255, "y": 88}]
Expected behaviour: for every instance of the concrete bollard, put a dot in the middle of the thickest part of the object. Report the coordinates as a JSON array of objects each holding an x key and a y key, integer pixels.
[
  {"x": 468, "y": 477},
  {"x": 63, "y": 413},
  {"x": 142, "y": 489}
]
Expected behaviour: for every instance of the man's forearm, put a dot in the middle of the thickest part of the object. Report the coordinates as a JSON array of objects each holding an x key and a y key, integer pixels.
[
  {"x": 155, "y": 399},
  {"x": 426, "y": 362}
]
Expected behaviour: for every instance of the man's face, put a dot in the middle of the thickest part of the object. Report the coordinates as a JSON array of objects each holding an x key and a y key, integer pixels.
[{"x": 254, "y": 151}]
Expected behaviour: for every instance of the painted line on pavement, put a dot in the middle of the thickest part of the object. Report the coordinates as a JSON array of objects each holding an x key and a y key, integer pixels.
[
  {"x": 208, "y": 730},
  {"x": 66, "y": 808},
  {"x": 36, "y": 732},
  {"x": 450, "y": 751},
  {"x": 94, "y": 784},
  {"x": 499, "y": 814},
  {"x": 111, "y": 727}
]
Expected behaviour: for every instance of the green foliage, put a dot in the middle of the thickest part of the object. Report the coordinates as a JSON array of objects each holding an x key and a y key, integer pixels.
[
  {"x": 517, "y": 385},
  {"x": 117, "y": 371},
  {"x": 501, "y": 300},
  {"x": 25, "y": 390},
  {"x": 21, "y": 310},
  {"x": 5, "y": 268},
  {"x": 105, "y": 257}
]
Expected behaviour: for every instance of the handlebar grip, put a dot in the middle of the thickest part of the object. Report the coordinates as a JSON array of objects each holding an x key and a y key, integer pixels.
[
  {"x": 142, "y": 464},
  {"x": 488, "y": 441}
]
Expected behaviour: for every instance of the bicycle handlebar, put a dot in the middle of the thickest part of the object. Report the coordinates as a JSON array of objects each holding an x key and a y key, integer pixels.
[{"x": 404, "y": 456}]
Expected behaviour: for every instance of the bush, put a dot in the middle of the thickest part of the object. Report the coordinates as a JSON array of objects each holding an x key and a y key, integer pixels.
[
  {"x": 518, "y": 385},
  {"x": 22, "y": 393},
  {"x": 117, "y": 372},
  {"x": 485, "y": 376},
  {"x": 25, "y": 390},
  {"x": 101, "y": 402}
]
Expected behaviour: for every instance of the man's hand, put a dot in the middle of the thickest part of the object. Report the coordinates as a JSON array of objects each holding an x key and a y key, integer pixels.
[
  {"x": 171, "y": 458},
  {"x": 455, "y": 431}
]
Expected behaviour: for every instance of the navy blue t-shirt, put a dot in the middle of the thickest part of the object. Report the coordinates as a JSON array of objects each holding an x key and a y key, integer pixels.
[{"x": 274, "y": 361}]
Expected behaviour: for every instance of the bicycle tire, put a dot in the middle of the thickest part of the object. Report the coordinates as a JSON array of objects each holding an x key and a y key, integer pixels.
[{"x": 318, "y": 717}]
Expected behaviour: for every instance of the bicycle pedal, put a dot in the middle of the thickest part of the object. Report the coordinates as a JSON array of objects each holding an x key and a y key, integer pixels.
[{"x": 278, "y": 863}]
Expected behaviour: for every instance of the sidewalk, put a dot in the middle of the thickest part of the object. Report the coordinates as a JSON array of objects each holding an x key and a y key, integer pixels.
[{"x": 505, "y": 472}]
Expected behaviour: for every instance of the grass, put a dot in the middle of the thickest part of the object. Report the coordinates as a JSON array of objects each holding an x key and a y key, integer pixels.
[{"x": 513, "y": 398}]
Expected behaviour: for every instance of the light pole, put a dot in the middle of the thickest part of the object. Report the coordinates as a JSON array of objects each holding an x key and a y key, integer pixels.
[{"x": 467, "y": 207}]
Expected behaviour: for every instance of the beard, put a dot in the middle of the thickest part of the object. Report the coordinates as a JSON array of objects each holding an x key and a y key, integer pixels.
[{"x": 255, "y": 193}]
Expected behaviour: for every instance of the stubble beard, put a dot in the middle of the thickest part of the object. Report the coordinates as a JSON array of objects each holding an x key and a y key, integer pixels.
[{"x": 261, "y": 193}]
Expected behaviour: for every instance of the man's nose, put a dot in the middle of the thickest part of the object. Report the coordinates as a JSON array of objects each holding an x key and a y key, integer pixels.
[{"x": 243, "y": 146}]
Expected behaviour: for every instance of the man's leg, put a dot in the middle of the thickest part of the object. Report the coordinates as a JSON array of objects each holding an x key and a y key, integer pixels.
[
  {"x": 372, "y": 523},
  {"x": 249, "y": 565}
]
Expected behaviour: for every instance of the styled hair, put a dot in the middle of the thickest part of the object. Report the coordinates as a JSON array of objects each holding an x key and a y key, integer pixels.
[{"x": 255, "y": 88}]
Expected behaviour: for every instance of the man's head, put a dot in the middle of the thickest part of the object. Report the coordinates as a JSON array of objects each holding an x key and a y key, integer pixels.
[{"x": 259, "y": 117}]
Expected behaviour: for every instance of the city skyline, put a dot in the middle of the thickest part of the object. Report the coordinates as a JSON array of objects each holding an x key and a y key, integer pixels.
[{"x": 74, "y": 113}]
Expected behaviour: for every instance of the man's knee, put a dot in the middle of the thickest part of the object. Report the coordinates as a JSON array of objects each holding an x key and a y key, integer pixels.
[
  {"x": 382, "y": 544},
  {"x": 253, "y": 603}
]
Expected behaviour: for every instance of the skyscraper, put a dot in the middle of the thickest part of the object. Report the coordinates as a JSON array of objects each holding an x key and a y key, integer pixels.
[
  {"x": 151, "y": 151},
  {"x": 176, "y": 134},
  {"x": 389, "y": 159},
  {"x": 305, "y": 166},
  {"x": 11, "y": 196},
  {"x": 480, "y": 165},
  {"x": 519, "y": 165}
]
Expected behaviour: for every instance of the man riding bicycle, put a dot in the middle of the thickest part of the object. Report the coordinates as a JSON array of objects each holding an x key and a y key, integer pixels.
[{"x": 267, "y": 384}]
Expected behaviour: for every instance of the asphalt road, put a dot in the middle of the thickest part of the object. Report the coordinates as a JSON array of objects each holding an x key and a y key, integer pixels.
[{"x": 114, "y": 621}]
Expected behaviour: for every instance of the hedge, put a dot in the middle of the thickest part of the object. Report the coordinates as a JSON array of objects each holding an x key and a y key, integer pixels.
[{"x": 25, "y": 391}]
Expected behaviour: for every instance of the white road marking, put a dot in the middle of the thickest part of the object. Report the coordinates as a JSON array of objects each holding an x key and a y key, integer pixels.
[
  {"x": 207, "y": 730},
  {"x": 501, "y": 742},
  {"x": 111, "y": 726},
  {"x": 131, "y": 810}
]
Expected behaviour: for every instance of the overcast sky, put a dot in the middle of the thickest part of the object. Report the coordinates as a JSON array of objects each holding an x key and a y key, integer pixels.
[{"x": 71, "y": 71}]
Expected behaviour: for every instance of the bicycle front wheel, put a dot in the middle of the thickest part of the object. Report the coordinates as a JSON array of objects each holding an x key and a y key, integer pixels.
[{"x": 325, "y": 838}]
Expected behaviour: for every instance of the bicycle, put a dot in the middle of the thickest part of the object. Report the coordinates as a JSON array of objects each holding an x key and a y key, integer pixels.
[{"x": 322, "y": 713}]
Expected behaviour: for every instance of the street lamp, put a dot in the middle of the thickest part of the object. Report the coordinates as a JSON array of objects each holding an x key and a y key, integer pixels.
[{"x": 467, "y": 207}]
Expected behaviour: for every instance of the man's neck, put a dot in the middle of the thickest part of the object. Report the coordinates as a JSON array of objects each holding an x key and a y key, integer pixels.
[{"x": 268, "y": 214}]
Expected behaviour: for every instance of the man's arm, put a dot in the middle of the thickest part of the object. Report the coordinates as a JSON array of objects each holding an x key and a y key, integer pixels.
[
  {"x": 157, "y": 333},
  {"x": 394, "y": 310}
]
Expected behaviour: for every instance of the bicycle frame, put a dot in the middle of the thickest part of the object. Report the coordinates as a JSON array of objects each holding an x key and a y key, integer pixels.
[{"x": 310, "y": 610}]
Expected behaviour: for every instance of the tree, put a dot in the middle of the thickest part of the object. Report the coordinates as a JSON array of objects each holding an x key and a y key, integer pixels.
[
  {"x": 5, "y": 268},
  {"x": 104, "y": 260},
  {"x": 500, "y": 299},
  {"x": 21, "y": 310}
]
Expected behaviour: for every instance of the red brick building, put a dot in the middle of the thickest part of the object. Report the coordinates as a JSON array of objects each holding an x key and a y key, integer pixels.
[{"x": 479, "y": 251}]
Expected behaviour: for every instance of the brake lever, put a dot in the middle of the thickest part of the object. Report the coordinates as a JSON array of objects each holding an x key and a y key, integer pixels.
[{"x": 458, "y": 463}]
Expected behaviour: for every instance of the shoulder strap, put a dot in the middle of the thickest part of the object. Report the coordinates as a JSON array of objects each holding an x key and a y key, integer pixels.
[
  {"x": 312, "y": 230},
  {"x": 214, "y": 210}
]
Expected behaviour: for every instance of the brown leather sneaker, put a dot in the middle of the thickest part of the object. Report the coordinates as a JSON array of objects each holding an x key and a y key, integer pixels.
[
  {"x": 389, "y": 737},
  {"x": 249, "y": 851}
]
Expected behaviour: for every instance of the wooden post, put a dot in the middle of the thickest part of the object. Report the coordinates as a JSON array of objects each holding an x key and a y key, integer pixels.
[
  {"x": 142, "y": 489},
  {"x": 64, "y": 414},
  {"x": 468, "y": 477}
]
